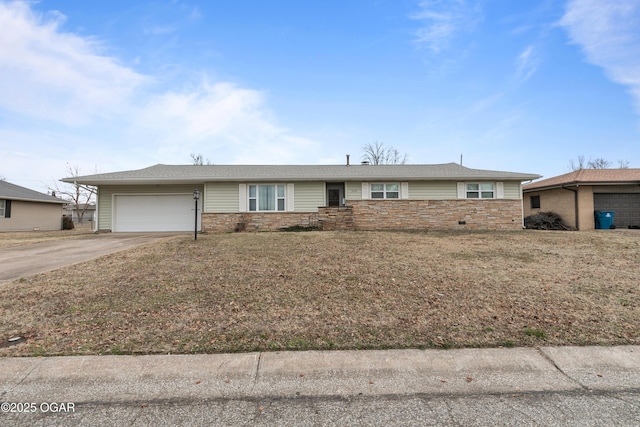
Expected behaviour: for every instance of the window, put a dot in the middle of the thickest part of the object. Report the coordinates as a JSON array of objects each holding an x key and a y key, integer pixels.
[
  {"x": 535, "y": 202},
  {"x": 2, "y": 208},
  {"x": 266, "y": 197},
  {"x": 385, "y": 191},
  {"x": 480, "y": 191}
]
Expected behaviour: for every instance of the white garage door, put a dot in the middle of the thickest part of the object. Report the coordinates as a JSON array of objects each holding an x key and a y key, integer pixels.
[{"x": 158, "y": 212}]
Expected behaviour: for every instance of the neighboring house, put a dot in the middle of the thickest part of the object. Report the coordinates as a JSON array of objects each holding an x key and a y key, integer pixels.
[
  {"x": 355, "y": 197},
  {"x": 576, "y": 195},
  {"x": 22, "y": 209},
  {"x": 89, "y": 212}
]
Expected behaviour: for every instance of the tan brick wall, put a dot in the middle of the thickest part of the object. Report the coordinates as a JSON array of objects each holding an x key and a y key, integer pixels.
[
  {"x": 562, "y": 202},
  {"x": 256, "y": 221},
  {"x": 498, "y": 214}
]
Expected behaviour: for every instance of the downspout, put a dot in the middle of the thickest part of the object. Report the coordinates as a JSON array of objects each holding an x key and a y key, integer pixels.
[{"x": 575, "y": 202}]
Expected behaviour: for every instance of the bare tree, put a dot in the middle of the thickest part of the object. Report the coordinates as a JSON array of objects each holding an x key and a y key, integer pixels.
[
  {"x": 199, "y": 160},
  {"x": 79, "y": 195},
  {"x": 378, "y": 154},
  {"x": 623, "y": 164},
  {"x": 578, "y": 164},
  {"x": 599, "y": 163}
]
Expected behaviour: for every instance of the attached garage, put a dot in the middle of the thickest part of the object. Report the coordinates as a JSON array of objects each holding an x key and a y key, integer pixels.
[
  {"x": 626, "y": 207},
  {"x": 154, "y": 212}
]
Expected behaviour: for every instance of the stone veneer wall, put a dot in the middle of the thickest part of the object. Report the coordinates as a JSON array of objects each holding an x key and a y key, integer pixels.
[
  {"x": 335, "y": 218},
  {"x": 496, "y": 214},
  {"x": 256, "y": 221}
]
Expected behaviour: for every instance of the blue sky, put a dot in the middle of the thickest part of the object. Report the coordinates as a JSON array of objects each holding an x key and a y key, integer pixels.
[{"x": 522, "y": 86}]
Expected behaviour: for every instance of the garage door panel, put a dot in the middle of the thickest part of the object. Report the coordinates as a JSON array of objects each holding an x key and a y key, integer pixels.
[
  {"x": 625, "y": 205},
  {"x": 158, "y": 212}
]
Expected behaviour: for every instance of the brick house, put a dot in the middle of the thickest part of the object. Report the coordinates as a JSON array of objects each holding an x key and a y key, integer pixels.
[
  {"x": 576, "y": 195},
  {"x": 346, "y": 197}
]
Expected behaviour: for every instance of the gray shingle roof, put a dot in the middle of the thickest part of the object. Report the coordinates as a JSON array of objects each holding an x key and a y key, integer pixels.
[
  {"x": 192, "y": 174},
  {"x": 10, "y": 191}
]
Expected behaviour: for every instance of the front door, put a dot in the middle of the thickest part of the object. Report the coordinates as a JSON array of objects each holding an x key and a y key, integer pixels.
[{"x": 334, "y": 197}]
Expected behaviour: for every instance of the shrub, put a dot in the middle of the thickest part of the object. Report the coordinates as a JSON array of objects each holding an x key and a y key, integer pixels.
[{"x": 546, "y": 221}]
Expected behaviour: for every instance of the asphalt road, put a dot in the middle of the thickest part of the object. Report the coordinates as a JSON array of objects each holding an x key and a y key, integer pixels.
[{"x": 27, "y": 260}]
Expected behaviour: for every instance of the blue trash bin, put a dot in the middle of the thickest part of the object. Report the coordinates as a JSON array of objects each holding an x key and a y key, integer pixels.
[{"x": 604, "y": 220}]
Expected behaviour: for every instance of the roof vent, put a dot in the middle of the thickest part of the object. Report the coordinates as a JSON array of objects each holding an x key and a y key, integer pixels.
[{"x": 365, "y": 163}]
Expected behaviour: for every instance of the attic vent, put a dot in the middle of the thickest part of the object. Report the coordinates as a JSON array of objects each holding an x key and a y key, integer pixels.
[{"x": 365, "y": 162}]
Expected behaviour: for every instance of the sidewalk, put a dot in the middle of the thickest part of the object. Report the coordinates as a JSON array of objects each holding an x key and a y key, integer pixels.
[{"x": 315, "y": 373}]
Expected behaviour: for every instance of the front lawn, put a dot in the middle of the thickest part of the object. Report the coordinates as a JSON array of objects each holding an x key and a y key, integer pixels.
[{"x": 334, "y": 290}]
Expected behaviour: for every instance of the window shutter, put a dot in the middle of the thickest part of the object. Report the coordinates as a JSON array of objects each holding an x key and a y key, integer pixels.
[
  {"x": 290, "y": 198},
  {"x": 7, "y": 208},
  {"x": 242, "y": 197},
  {"x": 404, "y": 190},
  {"x": 500, "y": 190},
  {"x": 365, "y": 190},
  {"x": 462, "y": 191}
]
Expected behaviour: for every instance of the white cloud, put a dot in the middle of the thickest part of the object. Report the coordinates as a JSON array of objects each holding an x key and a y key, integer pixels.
[
  {"x": 63, "y": 100},
  {"x": 442, "y": 20},
  {"x": 607, "y": 31},
  {"x": 526, "y": 64},
  {"x": 218, "y": 118},
  {"x": 57, "y": 76}
]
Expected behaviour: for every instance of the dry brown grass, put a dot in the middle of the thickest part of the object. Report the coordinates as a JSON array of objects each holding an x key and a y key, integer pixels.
[{"x": 335, "y": 290}]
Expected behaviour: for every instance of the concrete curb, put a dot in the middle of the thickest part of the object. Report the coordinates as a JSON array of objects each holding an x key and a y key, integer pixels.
[{"x": 319, "y": 373}]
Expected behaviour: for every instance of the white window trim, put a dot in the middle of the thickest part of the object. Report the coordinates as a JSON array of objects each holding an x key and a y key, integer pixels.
[
  {"x": 384, "y": 190},
  {"x": 243, "y": 199},
  {"x": 285, "y": 198},
  {"x": 498, "y": 190}
]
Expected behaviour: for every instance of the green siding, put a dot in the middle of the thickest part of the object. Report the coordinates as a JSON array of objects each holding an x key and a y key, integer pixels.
[
  {"x": 222, "y": 197},
  {"x": 433, "y": 190},
  {"x": 511, "y": 190},
  {"x": 106, "y": 193},
  {"x": 353, "y": 190},
  {"x": 308, "y": 196}
]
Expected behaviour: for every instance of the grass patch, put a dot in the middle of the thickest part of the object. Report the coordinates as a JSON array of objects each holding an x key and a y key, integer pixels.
[{"x": 239, "y": 292}]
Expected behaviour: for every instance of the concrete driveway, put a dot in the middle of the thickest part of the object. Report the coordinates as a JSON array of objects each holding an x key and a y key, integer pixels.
[{"x": 27, "y": 260}]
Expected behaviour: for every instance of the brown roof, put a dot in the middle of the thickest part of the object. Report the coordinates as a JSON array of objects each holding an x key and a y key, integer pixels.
[{"x": 588, "y": 177}]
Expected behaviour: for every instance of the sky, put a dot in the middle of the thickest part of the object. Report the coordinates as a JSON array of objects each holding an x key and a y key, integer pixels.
[{"x": 522, "y": 86}]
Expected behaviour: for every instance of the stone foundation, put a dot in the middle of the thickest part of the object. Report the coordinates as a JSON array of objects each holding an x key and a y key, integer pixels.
[
  {"x": 467, "y": 214},
  {"x": 256, "y": 221}
]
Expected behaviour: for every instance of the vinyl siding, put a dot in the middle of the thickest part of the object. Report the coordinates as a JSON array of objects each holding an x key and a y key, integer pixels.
[
  {"x": 221, "y": 197},
  {"x": 353, "y": 190},
  {"x": 29, "y": 216},
  {"x": 309, "y": 196},
  {"x": 434, "y": 190},
  {"x": 106, "y": 193},
  {"x": 511, "y": 190}
]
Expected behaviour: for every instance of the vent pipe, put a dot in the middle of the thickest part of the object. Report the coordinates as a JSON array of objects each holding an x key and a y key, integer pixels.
[{"x": 347, "y": 160}]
